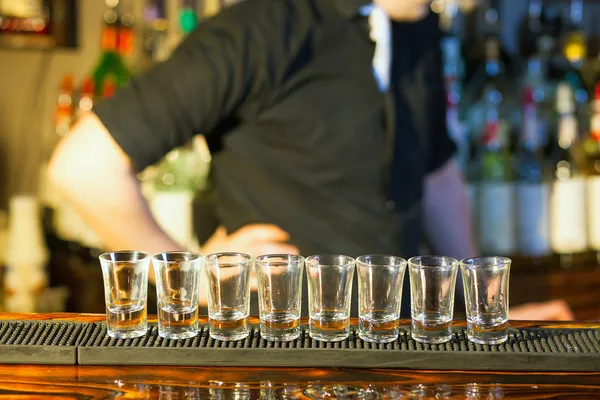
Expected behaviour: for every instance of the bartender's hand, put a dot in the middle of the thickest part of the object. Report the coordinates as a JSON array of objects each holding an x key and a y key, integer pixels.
[
  {"x": 255, "y": 239},
  {"x": 557, "y": 310}
]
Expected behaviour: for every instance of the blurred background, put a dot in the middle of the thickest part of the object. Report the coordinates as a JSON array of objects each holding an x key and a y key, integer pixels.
[{"x": 523, "y": 106}]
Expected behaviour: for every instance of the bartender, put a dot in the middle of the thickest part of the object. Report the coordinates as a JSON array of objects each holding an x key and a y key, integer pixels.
[{"x": 326, "y": 122}]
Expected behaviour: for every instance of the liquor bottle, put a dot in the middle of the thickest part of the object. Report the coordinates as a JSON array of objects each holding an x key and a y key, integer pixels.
[
  {"x": 496, "y": 186},
  {"x": 111, "y": 64},
  {"x": 86, "y": 98},
  {"x": 531, "y": 29},
  {"x": 575, "y": 52},
  {"x": 188, "y": 17},
  {"x": 590, "y": 149},
  {"x": 155, "y": 48},
  {"x": 452, "y": 81},
  {"x": 567, "y": 200},
  {"x": 3, "y": 245},
  {"x": 575, "y": 47},
  {"x": 533, "y": 189},
  {"x": 126, "y": 33}
]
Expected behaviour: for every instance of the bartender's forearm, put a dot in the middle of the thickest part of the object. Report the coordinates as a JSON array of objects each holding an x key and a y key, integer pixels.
[
  {"x": 92, "y": 172},
  {"x": 447, "y": 213}
]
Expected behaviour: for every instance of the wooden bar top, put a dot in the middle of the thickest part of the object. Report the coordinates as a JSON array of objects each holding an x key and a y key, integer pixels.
[{"x": 133, "y": 382}]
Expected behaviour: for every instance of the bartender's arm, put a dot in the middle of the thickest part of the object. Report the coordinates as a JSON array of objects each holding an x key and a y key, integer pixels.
[
  {"x": 220, "y": 70},
  {"x": 95, "y": 174}
]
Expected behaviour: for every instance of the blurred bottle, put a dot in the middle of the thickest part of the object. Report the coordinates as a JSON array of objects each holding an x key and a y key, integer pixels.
[
  {"x": 3, "y": 245},
  {"x": 496, "y": 187},
  {"x": 155, "y": 43},
  {"x": 567, "y": 202},
  {"x": 26, "y": 256},
  {"x": 86, "y": 98},
  {"x": 188, "y": 17},
  {"x": 590, "y": 163},
  {"x": 531, "y": 30},
  {"x": 575, "y": 52},
  {"x": 111, "y": 64},
  {"x": 452, "y": 80},
  {"x": 533, "y": 189},
  {"x": 575, "y": 47},
  {"x": 126, "y": 40}
]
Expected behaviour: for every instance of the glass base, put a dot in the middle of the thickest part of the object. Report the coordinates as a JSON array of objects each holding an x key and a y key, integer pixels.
[
  {"x": 328, "y": 337},
  {"x": 487, "y": 333},
  {"x": 377, "y": 338},
  {"x": 485, "y": 340},
  {"x": 429, "y": 339},
  {"x": 276, "y": 335},
  {"x": 177, "y": 335},
  {"x": 229, "y": 338},
  {"x": 435, "y": 331},
  {"x": 129, "y": 334}
]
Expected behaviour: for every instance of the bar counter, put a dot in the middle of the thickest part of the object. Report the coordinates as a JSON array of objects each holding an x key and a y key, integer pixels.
[{"x": 165, "y": 382}]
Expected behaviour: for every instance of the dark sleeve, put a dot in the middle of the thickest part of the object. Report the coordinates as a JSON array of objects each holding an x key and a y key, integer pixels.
[
  {"x": 227, "y": 63},
  {"x": 442, "y": 147}
]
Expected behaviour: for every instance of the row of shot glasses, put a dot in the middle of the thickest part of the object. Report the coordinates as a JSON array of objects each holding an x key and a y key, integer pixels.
[{"x": 330, "y": 277}]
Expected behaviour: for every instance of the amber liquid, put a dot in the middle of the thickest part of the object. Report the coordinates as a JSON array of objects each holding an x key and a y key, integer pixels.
[
  {"x": 374, "y": 325},
  {"x": 225, "y": 324},
  {"x": 126, "y": 321},
  {"x": 432, "y": 328},
  {"x": 280, "y": 325},
  {"x": 228, "y": 324},
  {"x": 280, "y": 320},
  {"x": 127, "y": 317},
  {"x": 178, "y": 314},
  {"x": 326, "y": 325},
  {"x": 329, "y": 326}
]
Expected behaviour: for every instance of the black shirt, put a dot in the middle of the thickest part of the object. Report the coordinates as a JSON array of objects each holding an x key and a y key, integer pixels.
[{"x": 301, "y": 135}]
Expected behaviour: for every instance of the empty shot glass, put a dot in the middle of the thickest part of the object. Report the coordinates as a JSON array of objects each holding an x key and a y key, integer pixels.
[
  {"x": 432, "y": 286},
  {"x": 279, "y": 295},
  {"x": 380, "y": 279},
  {"x": 486, "y": 298},
  {"x": 229, "y": 295},
  {"x": 125, "y": 275},
  {"x": 329, "y": 291},
  {"x": 177, "y": 286}
]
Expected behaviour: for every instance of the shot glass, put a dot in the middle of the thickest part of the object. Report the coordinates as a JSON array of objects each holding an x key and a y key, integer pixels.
[
  {"x": 279, "y": 295},
  {"x": 432, "y": 286},
  {"x": 229, "y": 295},
  {"x": 177, "y": 287},
  {"x": 329, "y": 291},
  {"x": 125, "y": 275},
  {"x": 486, "y": 298},
  {"x": 380, "y": 279}
]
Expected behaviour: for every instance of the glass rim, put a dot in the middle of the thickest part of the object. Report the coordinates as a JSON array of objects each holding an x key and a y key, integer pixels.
[
  {"x": 348, "y": 261},
  {"x": 488, "y": 262},
  {"x": 107, "y": 256},
  {"x": 193, "y": 256},
  {"x": 453, "y": 262},
  {"x": 401, "y": 261},
  {"x": 215, "y": 256},
  {"x": 264, "y": 257}
]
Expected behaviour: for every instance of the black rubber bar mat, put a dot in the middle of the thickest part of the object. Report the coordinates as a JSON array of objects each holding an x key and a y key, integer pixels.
[
  {"x": 525, "y": 350},
  {"x": 38, "y": 342}
]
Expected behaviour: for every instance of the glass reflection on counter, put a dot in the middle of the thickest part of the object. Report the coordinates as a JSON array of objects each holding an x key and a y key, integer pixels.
[{"x": 267, "y": 390}]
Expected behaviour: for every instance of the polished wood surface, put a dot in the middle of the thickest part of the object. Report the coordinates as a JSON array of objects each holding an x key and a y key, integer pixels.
[
  {"x": 575, "y": 281},
  {"x": 91, "y": 382}
]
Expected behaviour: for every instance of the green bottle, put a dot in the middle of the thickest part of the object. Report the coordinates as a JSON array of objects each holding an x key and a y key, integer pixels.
[{"x": 111, "y": 68}]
